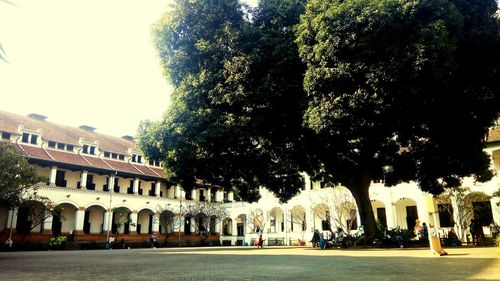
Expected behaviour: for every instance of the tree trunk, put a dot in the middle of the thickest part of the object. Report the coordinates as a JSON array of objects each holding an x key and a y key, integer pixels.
[{"x": 361, "y": 195}]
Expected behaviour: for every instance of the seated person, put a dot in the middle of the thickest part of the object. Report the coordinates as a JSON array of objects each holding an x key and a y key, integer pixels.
[
  {"x": 340, "y": 236},
  {"x": 398, "y": 237}
]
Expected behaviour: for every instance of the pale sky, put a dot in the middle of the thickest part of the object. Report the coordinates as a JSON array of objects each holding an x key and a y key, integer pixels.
[
  {"x": 83, "y": 62},
  {"x": 86, "y": 62}
]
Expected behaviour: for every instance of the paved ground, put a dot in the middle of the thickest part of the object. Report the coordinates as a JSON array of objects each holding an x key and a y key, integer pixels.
[{"x": 243, "y": 263}]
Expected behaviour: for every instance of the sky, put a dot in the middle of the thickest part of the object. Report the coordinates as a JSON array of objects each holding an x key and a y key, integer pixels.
[
  {"x": 83, "y": 62},
  {"x": 86, "y": 62}
]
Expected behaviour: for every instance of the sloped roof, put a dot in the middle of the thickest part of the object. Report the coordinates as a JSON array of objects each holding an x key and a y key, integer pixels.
[
  {"x": 10, "y": 122},
  {"x": 494, "y": 134},
  {"x": 65, "y": 134}
]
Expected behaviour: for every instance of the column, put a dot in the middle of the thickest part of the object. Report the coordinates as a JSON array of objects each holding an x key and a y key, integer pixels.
[
  {"x": 111, "y": 183},
  {"x": 209, "y": 194},
  {"x": 194, "y": 194},
  {"x": 52, "y": 176},
  {"x": 218, "y": 195},
  {"x": 107, "y": 220},
  {"x": 133, "y": 223},
  {"x": 390, "y": 214},
  {"x": 47, "y": 224},
  {"x": 230, "y": 196},
  {"x": 157, "y": 189},
  {"x": 79, "y": 219},
  {"x": 136, "y": 186},
  {"x": 12, "y": 219},
  {"x": 83, "y": 180},
  {"x": 156, "y": 223},
  {"x": 310, "y": 220}
]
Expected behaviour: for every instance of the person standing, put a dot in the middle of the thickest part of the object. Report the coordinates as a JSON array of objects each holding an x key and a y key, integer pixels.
[
  {"x": 494, "y": 230},
  {"x": 111, "y": 241}
]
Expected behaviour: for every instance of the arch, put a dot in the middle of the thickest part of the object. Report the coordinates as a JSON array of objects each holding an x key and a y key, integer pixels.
[
  {"x": 94, "y": 219},
  {"x": 96, "y": 204},
  {"x": 187, "y": 224},
  {"x": 65, "y": 220},
  {"x": 227, "y": 226},
  {"x": 406, "y": 213},
  {"x": 69, "y": 202},
  {"x": 479, "y": 204},
  {"x": 31, "y": 216},
  {"x": 255, "y": 220},
  {"x": 167, "y": 219},
  {"x": 145, "y": 218},
  {"x": 321, "y": 216},
  {"x": 241, "y": 222},
  {"x": 146, "y": 208},
  {"x": 380, "y": 212},
  {"x": 298, "y": 219},
  {"x": 276, "y": 221},
  {"x": 121, "y": 220}
]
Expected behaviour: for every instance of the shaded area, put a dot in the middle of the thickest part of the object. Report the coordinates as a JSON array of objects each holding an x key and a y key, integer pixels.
[{"x": 250, "y": 264}]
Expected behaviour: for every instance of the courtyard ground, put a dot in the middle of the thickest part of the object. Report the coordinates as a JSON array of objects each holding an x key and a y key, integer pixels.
[{"x": 246, "y": 263}]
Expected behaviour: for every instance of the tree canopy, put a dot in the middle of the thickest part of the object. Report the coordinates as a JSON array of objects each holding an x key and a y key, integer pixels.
[
  {"x": 347, "y": 91},
  {"x": 17, "y": 176}
]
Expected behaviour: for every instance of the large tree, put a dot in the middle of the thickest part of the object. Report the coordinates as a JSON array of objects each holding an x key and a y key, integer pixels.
[
  {"x": 236, "y": 112},
  {"x": 17, "y": 176},
  {"x": 401, "y": 91}
]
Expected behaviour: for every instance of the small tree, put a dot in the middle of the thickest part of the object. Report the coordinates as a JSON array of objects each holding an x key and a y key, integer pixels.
[
  {"x": 34, "y": 210},
  {"x": 206, "y": 215},
  {"x": 17, "y": 177},
  {"x": 168, "y": 219},
  {"x": 255, "y": 220},
  {"x": 463, "y": 212},
  {"x": 121, "y": 218},
  {"x": 298, "y": 217},
  {"x": 337, "y": 206}
]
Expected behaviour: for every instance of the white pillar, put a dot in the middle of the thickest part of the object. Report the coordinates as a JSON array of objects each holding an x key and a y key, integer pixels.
[
  {"x": 133, "y": 223},
  {"x": 310, "y": 220},
  {"x": 12, "y": 219},
  {"x": 136, "y": 186},
  {"x": 47, "y": 224},
  {"x": 230, "y": 196},
  {"x": 157, "y": 189},
  {"x": 107, "y": 220},
  {"x": 79, "y": 219},
  {"x": 194, "y": 194},
  {"x": 209, "y": 194},
  {"x": 111, "y": 183},
  {"x": 83, "y": 180},
  {"x": 156, "y": 223},
  {"x": 52, "y": 175}
]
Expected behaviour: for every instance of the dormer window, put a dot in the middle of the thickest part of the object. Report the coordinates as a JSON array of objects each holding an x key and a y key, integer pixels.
[
  {"x": 88, "y": 149},
  {"x": 60, "y": 145},
  {"x": 52, "y": 144},
  {"x": 136, "y": 158},
  {"x": 29, "y": 138},
  {"x": 5, "y": 136}
]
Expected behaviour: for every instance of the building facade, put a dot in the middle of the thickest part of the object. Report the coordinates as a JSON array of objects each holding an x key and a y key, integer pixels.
[{"x": 88, "y": 175}]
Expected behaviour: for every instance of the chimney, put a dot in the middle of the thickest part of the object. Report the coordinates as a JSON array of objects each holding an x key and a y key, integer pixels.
[
  {"x": 87, "y": 128},
  {"x": 128, "y": 137},
  {"x": 37, "y": 116}
]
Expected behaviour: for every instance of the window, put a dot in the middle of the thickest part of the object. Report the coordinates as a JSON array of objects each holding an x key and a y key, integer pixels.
[
  {"x": 114, "y": 155},
  {"x": 88, "y": 149},
  {"x": 25, "y": 138},
  {"x": 34, "y": 139},
  {"x": 106, "y": 154},
  {"x": 92, "y": 150},
  {"x": 52, "y": 144},
  {"x": 5, "y": 136},
  {"x": 69, "y": 147},
  {"x": 121, "y": 157},
  {"x": 445, "y": 215},
  {"x": 85, "y": 149},
  {"x": 139, "y": 159},
  {"x": 60, "y": 145}
]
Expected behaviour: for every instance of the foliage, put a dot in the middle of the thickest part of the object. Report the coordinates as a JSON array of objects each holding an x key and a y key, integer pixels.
[
  {"x": 235, "y": 115},
  {"x": 392, "y": 85},
  {"x": 206, "y": 215},
  {"x": 168, "y": 219},
  {"x": 34, "y": 210},
  {"x": 256, "y": 221},
  {"x": 496, "y": 194},
  {"x": 121, "y": 218},
  {"x": 389, "y": 88},
  {"x": 336, "y": 206},
  {"x": 17, "y": 176},
  {"x": 298, "y": 218},
  {"x": 462, "y": 210}
]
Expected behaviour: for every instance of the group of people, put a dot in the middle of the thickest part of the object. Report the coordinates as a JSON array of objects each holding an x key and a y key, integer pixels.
[{"x": 320, "y": 242}]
